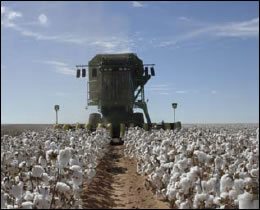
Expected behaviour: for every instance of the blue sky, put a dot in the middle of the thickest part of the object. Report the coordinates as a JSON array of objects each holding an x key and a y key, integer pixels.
[{"x": 206, "y": 56}]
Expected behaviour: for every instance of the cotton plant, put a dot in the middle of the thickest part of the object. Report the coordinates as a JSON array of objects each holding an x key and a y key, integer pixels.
[
  {"x": 199, "y": 167},
  {"x": 47, "y": 169}
]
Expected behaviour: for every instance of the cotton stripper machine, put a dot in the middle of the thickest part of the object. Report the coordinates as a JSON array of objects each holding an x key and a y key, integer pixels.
[{"x": 116, "y": 86}]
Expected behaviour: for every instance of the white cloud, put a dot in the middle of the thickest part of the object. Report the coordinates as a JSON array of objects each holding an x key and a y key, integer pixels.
[
  {"x": 113, "y": 45},
  {"x": 56, "y": 63},
  {"x": 244, "y": 29},
  {"x": 42, "y": 19},
  {"x": 103, "y": 44},
  {"x": 181, "y": 91},
  {"x": 12, "y": 15},
  {"x": 183, "y": 18},
  {"x": 8, "y": 16},
  {"x": 65, "y": 70},
  {"x": 61, "y": 67},
  {"x": 137, "y": 4},
  {"x": 159, "y": 87},
  {"x": 164, "y": 93},
  {"x": 3, "y": 10},
  {"x": 240, "y": 29}
]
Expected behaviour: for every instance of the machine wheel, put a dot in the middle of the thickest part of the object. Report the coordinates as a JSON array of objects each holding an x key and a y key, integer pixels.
[
  {"x": 94, "y": 119},
  {"x": 138, "y": 119}
]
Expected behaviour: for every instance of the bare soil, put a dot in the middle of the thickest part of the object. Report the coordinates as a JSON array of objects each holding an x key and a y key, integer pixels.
[{"x": 117, "y": 185}]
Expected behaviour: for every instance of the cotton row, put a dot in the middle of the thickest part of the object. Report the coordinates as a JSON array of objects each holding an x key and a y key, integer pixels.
[
  {"x": 199, "y": 167},
  {"x": 46, "y": 169}
]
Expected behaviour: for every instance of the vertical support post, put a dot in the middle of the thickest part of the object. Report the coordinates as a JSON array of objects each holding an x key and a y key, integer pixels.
[
  {"x": 174, "y": 106},
  {"x": 56, "y": 116},
  {"x": 174, "y": 115},
  {"x": 56, "y": 108}
]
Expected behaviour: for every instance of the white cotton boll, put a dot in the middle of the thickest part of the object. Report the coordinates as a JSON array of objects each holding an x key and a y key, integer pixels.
[
  {"x": 3, "y": 200},
  {"x": 27, "y": 205},
  {"x": 62, "y": 187},
  {"x": 49, "y": 153},
  {"x": 204, "y": 186},
  {"x": 182, "y": 164},
  {"x": 243, "y": 175},
  {"x": 246, "y": 201},
  {"x": 165, "y": 178},
  {"x": 156, "y": 179},
  {"x": 47, "y": 144},
  {"x": 53, "y": 145},
  {"x": 64, "y": 157},
  {"x": 224, "y": 195},
  {"x": 179, "y": 196},
  {"x": 45, "y": 177},
  {"x": 75, "y": 168},
  {"x": 171, "y": 153},
  {"x": 218, "y": 162},
  {"x": 77, "y": 178},
  {"x": 25, "y": 141},
  {"x": 42, "y": 161},
  {"x": 233, "y": 194},
  {"x": 12, "y": 207},
  {"x": 37, "y": 171},
  {"x": 22, "y": 165},
  {"x": 17, "y": 178},
  {"x": 167, "y": 165},
  {"x": 17, "y": 191},
  {"x": 171, "y": 193},
  {"x": 175, "y": 176},
  {"x": 90, "y": 173},
  {"x": 192, "y": 176},
  {"x": 217, "y": 201},
  {"x": 44, "y": 191},
  {"x": 255, "y": 173},
  {"x": 185, "y": 185},
  {"x": 195, "y": 170},
  {"x": 199, "y": 197},
  {"x": 40, "y": 202},
  {"x": 202, "y": 157},
  {"x": 74, "y": 161},
  {"x": 185, "y": 205},
  {"x": 236, "y": 202},
  {"x": 211, "y": 184},
  {"x": 248, "y": 181},
  {"x": 209, "y": 201},
  {"x": 226, "y": 183},
  {"x": 198, "y": 189},
  {"x": 175, "y": 169},
  {"x": 28, "y": 196}
]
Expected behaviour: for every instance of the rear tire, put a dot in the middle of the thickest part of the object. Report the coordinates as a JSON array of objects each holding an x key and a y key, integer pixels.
[
  {"x": 138, "y": 119},
  {"x": 94, "y": 119}
]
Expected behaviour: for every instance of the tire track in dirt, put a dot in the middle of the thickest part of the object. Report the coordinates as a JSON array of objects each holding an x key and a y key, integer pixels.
[{"x": 117, "y": 185}]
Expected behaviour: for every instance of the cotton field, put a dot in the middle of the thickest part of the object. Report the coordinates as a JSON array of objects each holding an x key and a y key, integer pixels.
[
  {"x": 199, "y": 167},
  {"x": 46, "y": 169},
  {"x": 195, "y": 167}
]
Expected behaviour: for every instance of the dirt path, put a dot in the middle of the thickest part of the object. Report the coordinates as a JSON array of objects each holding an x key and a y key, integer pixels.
[{"x": 117, "y": 185}]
